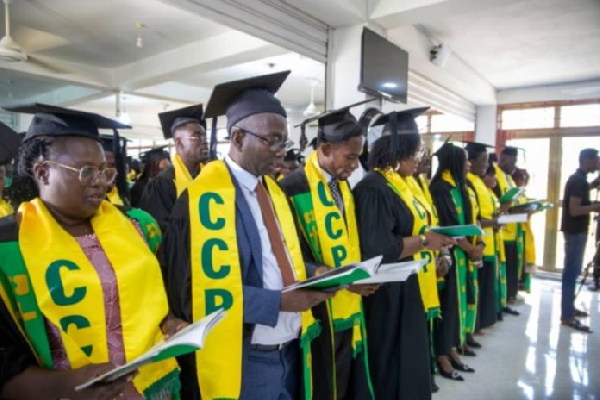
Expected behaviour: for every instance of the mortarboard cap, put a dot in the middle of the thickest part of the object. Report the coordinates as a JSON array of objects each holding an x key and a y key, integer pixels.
[
  {"x": 243, "y": 98},
  {"x": 475, "y": 148},
  {"x": 334, "y": 126},
  {"x": 293, "y": 155},
  {"x": 395, "y": 123},
  {"x": 108, "y": 143},
  {"x": 171, "y": 120},
  {"x": 9, "y": 143},
  {"x": 513, "y": 151},
  {"x": 56, "y": 121},
  {"x": 158, "y": 152}
]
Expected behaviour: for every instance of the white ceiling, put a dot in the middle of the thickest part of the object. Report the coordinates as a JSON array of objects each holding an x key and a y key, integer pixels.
[
  {"x": 526, "y": 43},
  {"x": 103, "y": 33},
  {"x": 501, "y": 44}
]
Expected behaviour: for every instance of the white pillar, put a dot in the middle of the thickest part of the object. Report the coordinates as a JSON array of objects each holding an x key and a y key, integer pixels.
[{"x": 486, "y": 125}]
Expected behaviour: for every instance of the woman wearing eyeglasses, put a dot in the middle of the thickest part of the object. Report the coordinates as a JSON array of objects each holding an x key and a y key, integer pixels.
[
  {"x": 393, "y": 223},
  {"x": 80, "y": 286}
]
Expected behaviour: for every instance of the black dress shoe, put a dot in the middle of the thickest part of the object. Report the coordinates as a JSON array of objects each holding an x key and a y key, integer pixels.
[
  {"x": 466, "y": 352},
  {"x": 455, "y": 376},
  {"x": 461, "y": 367},
  {"x": 474, "y": 344},
  {"x": 511, "y": 311},
  {"x": 434, "y": 387}
]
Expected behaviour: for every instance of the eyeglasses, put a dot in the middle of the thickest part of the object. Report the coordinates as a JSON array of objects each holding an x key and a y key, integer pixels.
[
  {"x": 274, "y": 143},
  {"x": 88, "y": 174}
]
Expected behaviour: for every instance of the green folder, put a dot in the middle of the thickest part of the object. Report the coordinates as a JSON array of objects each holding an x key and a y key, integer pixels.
[
  {"x": 457, "y": 230},
  {"x": 339, "y": 277},
  {"x": 509, "y": 195}
]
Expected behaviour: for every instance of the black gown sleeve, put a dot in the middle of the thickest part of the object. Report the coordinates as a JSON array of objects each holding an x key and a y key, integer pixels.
[
  {"x": 382, "y": 219},
  {"x": 137, "y": 190},
  {"x": 15, "y": 354},
  {"x": 159, "y": 199},
  {"x": 174, "y": 260},
  {"x": 442, "y": 199}
]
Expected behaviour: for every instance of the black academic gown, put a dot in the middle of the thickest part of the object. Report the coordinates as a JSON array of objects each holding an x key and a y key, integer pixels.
[
  {"x": 137, "y": 190},
  {"x": 399, "y": 356},
  {"x": 351, "y": 382},
  {"x": 448, "y": 328},
  {"x": 486, "y": 279},
  {"x": 511, "y": 250},
  {"x": 159, "y": 197}
]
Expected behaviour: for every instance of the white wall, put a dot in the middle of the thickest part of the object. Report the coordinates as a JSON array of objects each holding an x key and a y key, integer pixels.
[{"x": 567, "y": 91}]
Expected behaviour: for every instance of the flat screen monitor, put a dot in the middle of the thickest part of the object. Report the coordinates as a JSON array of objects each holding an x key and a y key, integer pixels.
[{"x": 384, "y": 67}]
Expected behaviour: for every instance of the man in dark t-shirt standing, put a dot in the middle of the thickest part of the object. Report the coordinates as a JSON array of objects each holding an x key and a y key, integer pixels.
[{"x": 576, "y": 211}]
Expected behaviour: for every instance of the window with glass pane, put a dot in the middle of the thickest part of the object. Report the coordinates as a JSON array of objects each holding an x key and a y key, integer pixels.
[
  {"x": 529, "y": 118},
  {"x": 582, "y": 115}
]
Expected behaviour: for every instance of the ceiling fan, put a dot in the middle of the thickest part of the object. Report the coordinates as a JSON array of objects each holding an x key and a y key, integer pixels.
[
  {"x": 10, "y": 51},
  {"x": 311, "y": 109}
]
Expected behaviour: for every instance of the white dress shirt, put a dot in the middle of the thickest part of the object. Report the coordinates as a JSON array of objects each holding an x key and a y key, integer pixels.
[{"x": 289, "y": 323}]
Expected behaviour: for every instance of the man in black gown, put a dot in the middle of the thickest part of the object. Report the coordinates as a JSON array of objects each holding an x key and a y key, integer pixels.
[
  {"x": 188, "y": 128},
  {"x": 339, "y": 146}
]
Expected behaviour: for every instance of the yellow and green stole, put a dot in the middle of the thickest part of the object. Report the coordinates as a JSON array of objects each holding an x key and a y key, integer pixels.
[
  {"x": 47, "y": 276},
  {"x": 424, "y": 186},
  {"x": 460, "y": 259},
  {"x": 427, "y": 275},
  {"x": 500, "y": 257},
  {"x": 333, "y": 239},
  {"x": 217, "y": 280},
  {"x": 5, "y": 208},
  {"x": 114, "y": 198},
  {"x": 521, "y": 233},
  {"x": 182, "y": 175},
  {"x": 494, "y": 245}
]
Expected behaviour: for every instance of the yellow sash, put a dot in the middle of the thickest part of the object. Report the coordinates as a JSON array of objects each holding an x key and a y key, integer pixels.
[
  {"x": 427, "y": 275},
  {"x": 182, "y": 175},
  {"x": 505, "y": 182},
  {"x": 338, "y": 243},
  {"x": 114, "y": 198},
  {"x": 69, "y": 291},
  {"x": 5, "y": 208},
  {"x": 424, "y": 197},
  {"x": 486, "y": 211},
  {"x": 217, "y": 280}
]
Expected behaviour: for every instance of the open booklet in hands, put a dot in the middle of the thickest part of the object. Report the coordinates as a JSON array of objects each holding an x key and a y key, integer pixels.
[
  {"x": 187, "y": 340},
  {"x": 367, "y": 272}
]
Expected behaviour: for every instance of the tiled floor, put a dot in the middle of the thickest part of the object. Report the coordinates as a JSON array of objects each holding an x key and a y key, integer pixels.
[{"x": 532, "y": 356}]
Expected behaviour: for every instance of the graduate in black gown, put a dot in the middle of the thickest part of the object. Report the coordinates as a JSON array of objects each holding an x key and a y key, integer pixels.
[
  {"x": 115, "y": 150},
  {"x": 399, "y": 356},
  {"x": 188, "y": 128},
  {"x": 272, "y": 364},
  {"x": 487, "y": 219},
  {"x": 340, "y": 144},
  {"x": 450, "y": 196},
  {"x": 154, "y": 162}
]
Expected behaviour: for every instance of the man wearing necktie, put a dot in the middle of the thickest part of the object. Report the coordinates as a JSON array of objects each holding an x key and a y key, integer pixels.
[
  {"x": 231, "y": 244},
  {"x": 324, "y": 208}
]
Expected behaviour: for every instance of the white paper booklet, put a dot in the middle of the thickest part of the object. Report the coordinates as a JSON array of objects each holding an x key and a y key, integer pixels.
[
  {"x": 394, "y": 272},
  {"x": 187, "y": 340},
  {"x": 512, "y": 218}
]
